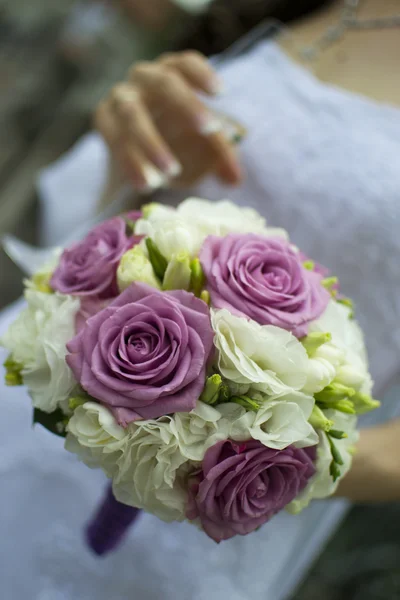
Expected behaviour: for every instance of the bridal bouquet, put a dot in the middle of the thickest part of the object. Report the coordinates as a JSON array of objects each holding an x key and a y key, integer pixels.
[{"x": 196, "y": 356}]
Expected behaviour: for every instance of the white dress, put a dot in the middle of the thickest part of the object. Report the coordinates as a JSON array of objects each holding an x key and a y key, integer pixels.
[{"x": 320, "y": 162}]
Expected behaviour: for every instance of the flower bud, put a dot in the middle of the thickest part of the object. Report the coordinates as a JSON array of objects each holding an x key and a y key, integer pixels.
[
  {"x": 178, "y": 273},
  {"x": 318, "y": 420},
  {"x": 205, "y": 296},
  {"x": 135, "y": 266},
  {"x": 13, "y": 376},
  {"x": 211, "y": 392},
  {"x": 329, "y": 283},
  {"x": 147, "y": 209},
  {"x": 364, "y": 403},
  {"x": 74, "y": 402},
  {"x": 314, "y": 340},
  {"x": 309, "y": 265},
  {"x": 337, "y": 457},
  {"x": 246, "y": 402},
  {"x": 334, "y": 393}
]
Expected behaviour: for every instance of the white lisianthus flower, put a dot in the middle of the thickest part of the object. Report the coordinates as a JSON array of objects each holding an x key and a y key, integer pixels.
[
  {"x": 198, "y": 430},
  {"x": 347, "y": 336},
  {"x": 224, "y": 217},
  {"x": 37, "y": 340},
  {"x": 172, "y": 237},
  {"x": 151, "y": 470},
  {"x": 186, "y": 227},
  {"x": 321, "y": 485},
  {"x": 323, "y": 367},
  {"x": 279, "y": 423},
  {"x": 95, "y": 436},
  {"x": 346, "y": 333},
  {"x": 135, "y": 266},
  {"x": 267, "y": 358}
]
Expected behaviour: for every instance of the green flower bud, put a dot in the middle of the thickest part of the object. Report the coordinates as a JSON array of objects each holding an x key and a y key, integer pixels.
[
  {"x": 205, "y": 296},
  {"x": 348, "y": 303},
  {"x": 197, "y": 280},
  {"x": 334, "y": 471},
  {"x": 314, "y": 340},
  {"x": 147, "y": 209},
  {"x": 309, "y": 265},
  {"x": 41, "y": 282},
  {"x": 344, "y": 406},
  {"x": 135, "y": 266},
  {"x": 13, "y": 379},
  {"x": 337, "y": 457},
  {"x": 178, "y": 273},
  {"x": 334, "y": 392},
  {"x": 224, "y": 393},
  {"x": 77, "y": 401},
  {"x": 318, "y": 420},
  {"x": 364, "y": 403},
  {"x": 158, "y": 261},
  {"x": 338, "y": 435},
  {"x": 13, "y": 376},
  {"x": 329, "y": 282},
  {"x": 246, "y": 402},
  {"x": 212, "y": 389}
]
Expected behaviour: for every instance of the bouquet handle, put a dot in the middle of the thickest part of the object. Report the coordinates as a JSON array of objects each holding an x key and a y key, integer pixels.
[{"x": 110, "y": 524}]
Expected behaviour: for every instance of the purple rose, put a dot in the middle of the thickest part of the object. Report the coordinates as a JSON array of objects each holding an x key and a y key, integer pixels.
[
  {"x": 89, "y": 268},
  {"x": 263, "y": 279},
  {"x": 243, "y": 485},
  {"x": 145, "y": 354}
]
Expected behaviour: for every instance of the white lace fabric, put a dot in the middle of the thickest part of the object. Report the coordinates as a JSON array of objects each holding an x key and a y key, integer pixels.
[{"x": 325, "y": 165}]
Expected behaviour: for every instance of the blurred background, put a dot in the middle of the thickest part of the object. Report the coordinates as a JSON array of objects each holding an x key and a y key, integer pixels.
[{"x": 57, "y": 59}]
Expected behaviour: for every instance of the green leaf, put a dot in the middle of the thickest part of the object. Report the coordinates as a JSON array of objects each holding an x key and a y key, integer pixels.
[{"x": 54, "y": 422}]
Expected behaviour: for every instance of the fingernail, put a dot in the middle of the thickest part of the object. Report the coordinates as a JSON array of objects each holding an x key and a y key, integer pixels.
[
  {"x": 154, "y": 179},
  {"x": 168, "y": 165},
  {"x": 174, "y": 169},
  {"x": 216, "y": 87},
  {"x": 208, "y": 124}
]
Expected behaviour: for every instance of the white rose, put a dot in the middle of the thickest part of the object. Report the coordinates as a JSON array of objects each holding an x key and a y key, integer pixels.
[
  {"x": 37, "y": 340},
  {"x": 321, "y": 485},
  {"x": 172, "y": 236},
  {"x": 198, "y": 430},
  {"x": 279, "y": 423},
  {"x": 224, "y": 217},
  {"x": 95, "y": 436},
  {"x": 265, "y": 357},
  {"x": 151, "y": 470}
]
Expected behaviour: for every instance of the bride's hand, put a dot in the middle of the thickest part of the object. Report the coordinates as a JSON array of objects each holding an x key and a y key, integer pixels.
[{"x": 158, "y": 129}]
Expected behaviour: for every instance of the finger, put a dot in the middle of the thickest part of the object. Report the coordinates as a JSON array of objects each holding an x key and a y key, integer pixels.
[
  {"x": 145, "y": 177},
  {"x": 196, "y": 70},
  {"x": 172, "y": 102},
  {"x": 140, "y": 130},
  {"x": 228, "y": 166},
  {"x": 133, "y": 163}
]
